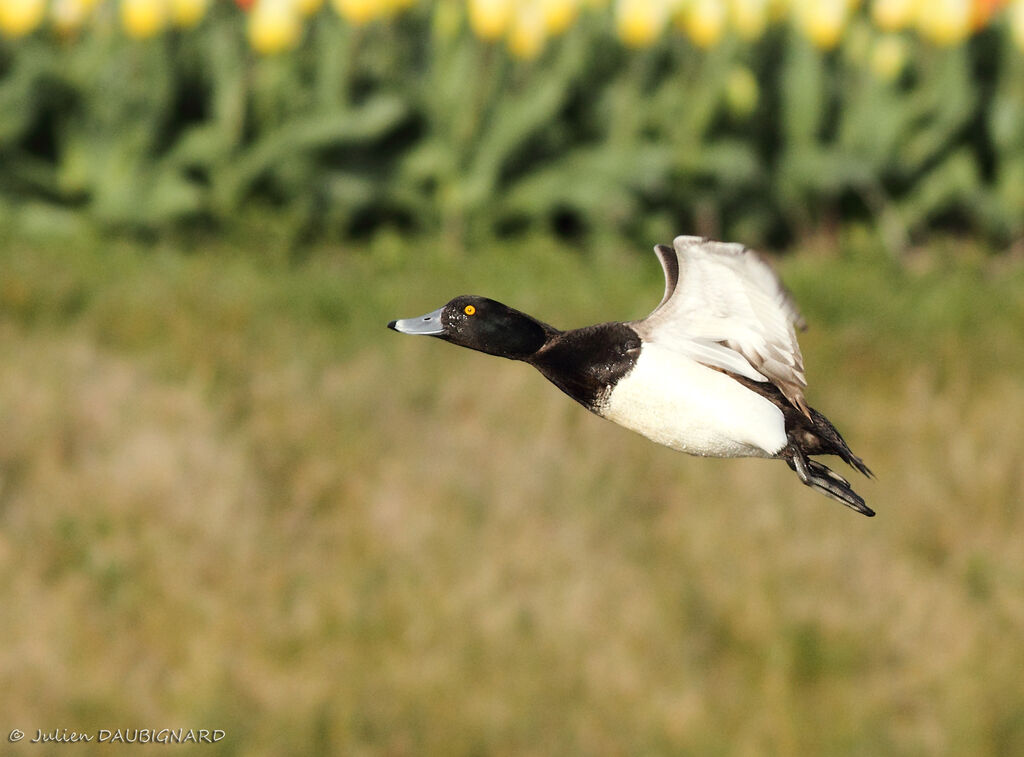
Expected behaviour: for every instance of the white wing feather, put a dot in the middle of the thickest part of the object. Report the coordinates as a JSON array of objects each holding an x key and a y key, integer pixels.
[{"x": 726, "y": 308}]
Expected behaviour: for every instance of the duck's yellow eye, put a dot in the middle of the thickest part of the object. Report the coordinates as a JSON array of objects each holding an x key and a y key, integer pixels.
[{"x": 469, "y": 310}]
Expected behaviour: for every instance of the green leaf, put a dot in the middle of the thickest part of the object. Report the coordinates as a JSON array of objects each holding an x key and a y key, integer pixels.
[{"x": 304, "y": 135}]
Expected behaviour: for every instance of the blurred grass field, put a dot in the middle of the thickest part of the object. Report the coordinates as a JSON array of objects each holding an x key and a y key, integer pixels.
[{"x": 230, "y": 498}]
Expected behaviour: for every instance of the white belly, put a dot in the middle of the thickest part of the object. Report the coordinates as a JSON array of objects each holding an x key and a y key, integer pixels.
[{"x": 675, "y": 401}]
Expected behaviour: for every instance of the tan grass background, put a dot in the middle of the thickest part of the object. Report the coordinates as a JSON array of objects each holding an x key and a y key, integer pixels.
[{"x": 229, "y": 498}]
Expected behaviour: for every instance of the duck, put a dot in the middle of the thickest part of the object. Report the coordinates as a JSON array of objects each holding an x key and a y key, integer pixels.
[{"x": 715, "y": 370}]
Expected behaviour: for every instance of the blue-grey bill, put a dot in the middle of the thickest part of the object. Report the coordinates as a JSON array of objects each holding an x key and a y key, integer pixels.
[{"x": 429, "y": 324}]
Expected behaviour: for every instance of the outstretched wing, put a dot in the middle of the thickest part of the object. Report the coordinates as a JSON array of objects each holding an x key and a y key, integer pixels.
[{"x": 726, "y": 308}]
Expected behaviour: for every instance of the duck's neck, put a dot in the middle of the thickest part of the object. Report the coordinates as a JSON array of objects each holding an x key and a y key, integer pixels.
[
  {"x": 527, "y": 338},
  {"x": 587, "y": 363}
]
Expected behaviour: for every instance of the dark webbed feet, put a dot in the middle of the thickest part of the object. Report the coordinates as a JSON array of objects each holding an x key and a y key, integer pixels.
[{"x": 821, "y": 478}]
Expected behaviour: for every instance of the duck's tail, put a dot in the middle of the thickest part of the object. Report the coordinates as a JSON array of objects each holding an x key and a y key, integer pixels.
[{"x": 820, "y": 437}]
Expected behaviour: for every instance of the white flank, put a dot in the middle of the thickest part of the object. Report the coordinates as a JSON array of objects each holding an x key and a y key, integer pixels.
[{"x": 678, "y": 402}]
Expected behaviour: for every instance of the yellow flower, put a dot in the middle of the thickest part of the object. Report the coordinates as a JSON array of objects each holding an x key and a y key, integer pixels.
[
  {"x": 893, "y": 15},
  {"x": 527, "y": 35},
  {"x": 20, "y": 17},
  {"x": 749, "y": 17},
  {"x": 188, "y": 13},
  {"x": 778, "y": 9},
  {"x": 446, "y": 20},
  {"x": 143, "y": 18},
  {"x": 490, "y": 19},
  {"x": 558, "y": 15},
  {"x": 704, "y": 22},
  {"x": 308, "y": 7},
  {"x": 1015, "y": 17},
  {"x": 274, "y": 26},
  {"x": 822, "y": 20},
  {"x": 889, "y": 56},
  {"x": 390, "y": 8},
  {"x": 945, "y": 22},
  {"x": 69, "y": 15},
  {"x": 741, "y": 91},
  {"x": 858, "y": 41},
  {"x": 640, "y": 22},
  {"x": 360, "y": 12}
]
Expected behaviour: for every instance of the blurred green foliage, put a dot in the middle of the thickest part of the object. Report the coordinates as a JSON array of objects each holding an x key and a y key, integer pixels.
[{"x": 419, "y": 126}]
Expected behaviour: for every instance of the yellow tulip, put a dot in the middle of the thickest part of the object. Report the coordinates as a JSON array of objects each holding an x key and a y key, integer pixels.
[
  {"x": 558, "y": 15},
  {"x": 447, "y": 20},
  {"x": 143, "y": 18},
  {"x": 749, "y": 17},
  {"x": 822, "y": 20},
  {"x": 188, "y": 13},
  {"x": 527, "y": 34},
  {"x": 21, "y": 17},
  {"x": 889, "y": 56},
  {"x": 389, "y": 8},
  {"x": 359, "y": 12},
  {"x": 640, "y": 22},
  {"x": 704, "y": 22},
  {"x": 308, "y": 7},
  {"x": 274, "y": 26},
  {"x": 490, "y": 19},
  {"x": 778, "y": 9},
  {"x": 893, "y": 15},
  {"x": 945, "y": 22},
  {"x": 741, "y": 91},
  {"x": 69, "y": 15},
  {"x": 1015, "y": 17}
]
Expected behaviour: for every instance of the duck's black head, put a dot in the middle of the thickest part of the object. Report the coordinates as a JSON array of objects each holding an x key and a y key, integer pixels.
[{"x": 480, "y": 324}]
